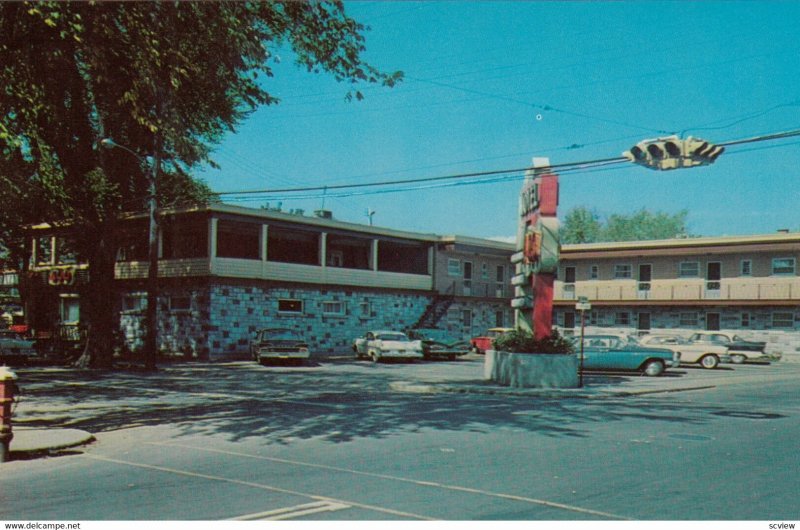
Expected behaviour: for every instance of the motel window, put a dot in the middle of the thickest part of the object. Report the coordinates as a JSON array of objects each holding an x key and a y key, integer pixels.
[
  {"x": 286, "y": 305},
  {"x": 745, "y": 320},
  {"x": 594, "y": 272},
  {"x": 66, "y": 254},
  {"x": 688, "y": 269},
  {"x": 134, "y": 302},
  {"x": 783, "y": 266},
  {"x": 348, "y": 252},
  {"x": 44, "y": 250},
  {"x": 402, "y": 257},
  {"x": 180, "y": 303},
  {"x": 453, "y": 267},
  {"x": 333, "y": 308},
  {"x": 365, "y": 309},
  {"x": 622, "y": 318},
  {"x": 623, "y": 271},
  {"x": 185, "y": 237},
  {"x": 453, "y": 314},
  {"x": 500, "y": 319},
  {"x": 238, "y": 240},
  {"x": 466, "y": 318},
  {"x": 292, "y": 246},
  {"x": 484, "y": 271},
  {"x": 746, "y": 268},
  {"x": 569, "y": 274},
  {"x": 501, "y": 274},
  {"x": 689, "y": 319},
  {"x": 783, "y": 319}
]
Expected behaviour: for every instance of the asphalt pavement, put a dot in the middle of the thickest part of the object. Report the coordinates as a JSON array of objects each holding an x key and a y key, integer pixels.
[{"x": 35, "y": 436}]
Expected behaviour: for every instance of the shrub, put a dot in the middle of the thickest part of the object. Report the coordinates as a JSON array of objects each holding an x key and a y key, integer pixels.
[{"x": 519, "y": 341}]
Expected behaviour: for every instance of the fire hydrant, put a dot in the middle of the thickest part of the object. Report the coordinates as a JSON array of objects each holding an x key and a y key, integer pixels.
[{"x": 8, "y": 388}]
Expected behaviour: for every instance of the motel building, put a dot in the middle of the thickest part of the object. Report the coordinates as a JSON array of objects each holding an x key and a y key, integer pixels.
[
  {"x": 227, "y": 271},
  {"x": 745, "y": 284}
]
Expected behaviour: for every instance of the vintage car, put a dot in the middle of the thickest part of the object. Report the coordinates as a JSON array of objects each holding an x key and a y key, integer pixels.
[
  {"x": 484, "y": 342},
  {"x": 436, "y": 344},
  {"x": 15, "y": 349},
  {"x": 612, "y": 353},
  {"x": 384, "y": 345},
  {"x": 279, "y": 344},
  {"x": 739, "y": 349},
  {"x": 707, "y": 355}
]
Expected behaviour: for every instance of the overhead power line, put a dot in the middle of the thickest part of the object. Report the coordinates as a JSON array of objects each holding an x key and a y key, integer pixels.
[{"x": 460, "y": 179}]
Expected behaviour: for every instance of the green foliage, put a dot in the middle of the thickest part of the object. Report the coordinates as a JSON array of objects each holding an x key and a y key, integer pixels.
[
  {"x": 519, "y": 341},
  {"x": 582, "y": 225},
  {"x": 160, "y": 78}
]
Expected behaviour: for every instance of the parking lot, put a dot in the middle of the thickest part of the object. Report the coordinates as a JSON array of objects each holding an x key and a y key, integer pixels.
[{"x": 350, "y": 440}]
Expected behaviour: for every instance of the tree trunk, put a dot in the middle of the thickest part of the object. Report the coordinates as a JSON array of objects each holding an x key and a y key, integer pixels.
[{"x": 99, "y": 313}]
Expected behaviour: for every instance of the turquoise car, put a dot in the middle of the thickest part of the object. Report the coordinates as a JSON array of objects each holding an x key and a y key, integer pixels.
[{"x": 612, "y": 353}]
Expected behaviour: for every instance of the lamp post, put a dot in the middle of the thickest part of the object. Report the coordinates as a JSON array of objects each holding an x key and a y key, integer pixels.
[
  {"x": 151, "y": 324},
  {"x": 583, "y": 306}
]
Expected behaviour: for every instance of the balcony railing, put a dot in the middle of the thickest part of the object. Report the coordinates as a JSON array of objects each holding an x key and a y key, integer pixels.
[{"x": 770, "y": 288}]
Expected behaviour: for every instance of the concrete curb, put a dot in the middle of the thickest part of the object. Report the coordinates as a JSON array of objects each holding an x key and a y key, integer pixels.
[
  {"x": 583, "y": 393},
  {"x": 29, "y": 442}
]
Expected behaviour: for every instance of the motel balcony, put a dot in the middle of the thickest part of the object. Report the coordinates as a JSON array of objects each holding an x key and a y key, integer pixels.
[{"x": 762, "y": 289}]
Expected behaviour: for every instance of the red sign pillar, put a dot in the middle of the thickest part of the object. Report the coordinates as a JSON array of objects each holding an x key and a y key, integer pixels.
[{"x": 538, "y": 251}]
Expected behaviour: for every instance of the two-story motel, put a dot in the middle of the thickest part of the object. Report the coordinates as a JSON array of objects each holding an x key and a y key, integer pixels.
[
  {"x": 747, "y": 284},
  {"x": 227, "y": 271}
]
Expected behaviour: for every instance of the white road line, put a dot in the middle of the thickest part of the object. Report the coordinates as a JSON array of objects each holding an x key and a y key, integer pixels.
[
  {"x": 293, "y": 512},
  {"x": 530, "y": 500},
  {"x": 255, "y": 485}
]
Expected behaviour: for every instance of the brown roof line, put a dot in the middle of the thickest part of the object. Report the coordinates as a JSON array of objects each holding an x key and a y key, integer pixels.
[{"x": 657, "y": 244}]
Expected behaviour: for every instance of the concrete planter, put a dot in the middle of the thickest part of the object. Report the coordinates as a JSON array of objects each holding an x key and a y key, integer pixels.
[{"x": 531, "y": 370}]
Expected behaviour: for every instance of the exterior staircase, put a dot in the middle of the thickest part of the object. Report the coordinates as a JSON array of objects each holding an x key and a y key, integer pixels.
[{"x": 436, "y": 309}]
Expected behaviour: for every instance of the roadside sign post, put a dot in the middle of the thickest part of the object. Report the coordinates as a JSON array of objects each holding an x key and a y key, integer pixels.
[{"x": 583, "y": 306}]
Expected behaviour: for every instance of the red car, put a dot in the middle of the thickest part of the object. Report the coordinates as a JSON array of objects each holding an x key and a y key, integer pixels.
[{"x": 485, "y": 342}]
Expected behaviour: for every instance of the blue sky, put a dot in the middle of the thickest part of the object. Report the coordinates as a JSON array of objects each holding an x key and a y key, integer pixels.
[{"x": 489, "y": 85}]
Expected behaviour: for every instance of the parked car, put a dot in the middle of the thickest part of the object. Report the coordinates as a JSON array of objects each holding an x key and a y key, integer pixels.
[
  {"x": 380, "y": 345},
  {"x": 273, "y": 344},
  {"x": 707, "y": 355},
  {"x": 611, "y": 352},
  {"x": 15, "y": 349},
  {"x": 436, "y": 344},
  {"x": 739, "y": 349},
  {"x": 485, "y": 342}
]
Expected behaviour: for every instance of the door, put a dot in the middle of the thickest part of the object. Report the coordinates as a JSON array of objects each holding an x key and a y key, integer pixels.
[
  {"x": 467, "y": 278},
  {"x": 645, "y": 275},
  {"x": 643, "y": 324},
  {"x": 712, "y": 321},
  {"x": 569, "y": 283},
  {"x": 713, "y": 277}
]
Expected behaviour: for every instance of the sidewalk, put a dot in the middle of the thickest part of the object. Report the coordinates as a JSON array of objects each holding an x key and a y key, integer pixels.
[{"x": 29, "y": 442}]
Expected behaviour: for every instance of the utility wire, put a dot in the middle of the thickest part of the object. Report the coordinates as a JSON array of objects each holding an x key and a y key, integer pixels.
[{"x": 460, "y": 179}]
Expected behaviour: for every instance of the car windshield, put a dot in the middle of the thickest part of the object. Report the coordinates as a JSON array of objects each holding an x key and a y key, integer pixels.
[
  {"x": 6, "y": 334},
  {"x": 279, "y": 334},
  {"x": 397, "y": 337}
]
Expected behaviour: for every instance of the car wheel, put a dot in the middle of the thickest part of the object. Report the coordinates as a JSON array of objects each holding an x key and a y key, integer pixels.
[
  {"x": 709, "y": 361},
  {"x": 374, "y": 356},
  {"x": 737, "y": 359},
  {"x": 653, "y": 368}
]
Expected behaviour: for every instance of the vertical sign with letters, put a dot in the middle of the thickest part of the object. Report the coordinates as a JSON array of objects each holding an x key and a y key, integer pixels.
[{"x": 538, "y": 250}]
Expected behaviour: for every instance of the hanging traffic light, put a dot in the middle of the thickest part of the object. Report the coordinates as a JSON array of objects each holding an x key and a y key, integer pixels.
[{"x": 673, "y": 153}]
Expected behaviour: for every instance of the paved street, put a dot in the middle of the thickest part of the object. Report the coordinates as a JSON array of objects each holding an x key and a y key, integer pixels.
[{"x": 341, "y": 440}]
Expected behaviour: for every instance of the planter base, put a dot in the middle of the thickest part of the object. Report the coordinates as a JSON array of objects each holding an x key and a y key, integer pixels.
[{"x": 530, "y": 370}]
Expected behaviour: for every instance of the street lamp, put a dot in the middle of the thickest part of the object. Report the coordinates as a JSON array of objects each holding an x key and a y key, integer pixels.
[
  {"x": 583, "y": 306},
  {"x": 151, "y": 325}
]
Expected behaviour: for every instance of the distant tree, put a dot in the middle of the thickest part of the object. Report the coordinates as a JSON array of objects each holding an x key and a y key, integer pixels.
[
  {"x": 164, "y": 78},
  {"x": 583, "y": 226}
]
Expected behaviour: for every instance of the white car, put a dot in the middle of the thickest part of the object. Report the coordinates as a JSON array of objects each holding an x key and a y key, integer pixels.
[
  {"x": 380, "y": 345},
  {"x": 707, "y": 355},
  {"x": 739, "y": 349}
]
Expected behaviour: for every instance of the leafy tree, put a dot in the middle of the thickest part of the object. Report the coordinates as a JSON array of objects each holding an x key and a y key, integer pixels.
[
  {"x": 581, "y": 225},
  {"x": 167, "y": 79}
]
